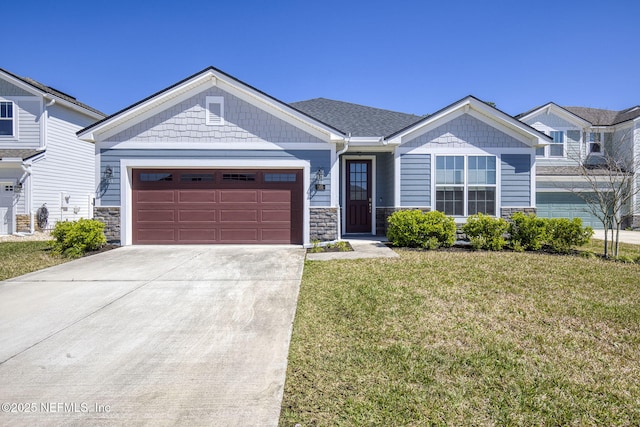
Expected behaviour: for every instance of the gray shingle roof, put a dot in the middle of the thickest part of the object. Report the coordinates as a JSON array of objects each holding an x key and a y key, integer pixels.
[
  {"x": 600, "y": 117},
  {"x": 18, "y": 153},
  {"x": 359, "y": 120},
  {"x": 54, "y": 92}
]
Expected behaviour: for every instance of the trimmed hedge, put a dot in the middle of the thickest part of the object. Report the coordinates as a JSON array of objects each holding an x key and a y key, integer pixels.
[
  {"x": 486, "y": 232},
  {"x": 417, "y": 229},
  {"x": 74, "y": 238}
]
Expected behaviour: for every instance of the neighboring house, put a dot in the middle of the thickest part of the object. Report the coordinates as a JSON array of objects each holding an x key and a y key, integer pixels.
[
  {"x": 581, "y": 136},
  {"x": 213, "y": 160},
  {"x": 41, "y": 159}
]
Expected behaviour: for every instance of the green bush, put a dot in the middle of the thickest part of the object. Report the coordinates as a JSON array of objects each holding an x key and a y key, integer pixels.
[
  {"x": 528, "y": 232},
  {"x": 562, "y": 234},
  {"x": 417, "y": 229},
  {"x": 73, "y": 239},
  {"x": 486, "y": 232}
]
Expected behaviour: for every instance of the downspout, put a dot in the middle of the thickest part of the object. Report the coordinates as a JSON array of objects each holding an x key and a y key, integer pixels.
[
  {"x": 338, "y": 154},
  {"x": 23, "y": 178},
  {"x": 45, "y": 125}
]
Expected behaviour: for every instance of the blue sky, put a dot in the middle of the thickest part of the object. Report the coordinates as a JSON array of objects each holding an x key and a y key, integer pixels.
[{"x": 409, "y": 56}]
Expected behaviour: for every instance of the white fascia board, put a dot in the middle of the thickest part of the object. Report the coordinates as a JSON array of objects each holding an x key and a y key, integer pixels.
[
  {"x": 227, "y": 146},
  {"x": 558, "y": 111}
]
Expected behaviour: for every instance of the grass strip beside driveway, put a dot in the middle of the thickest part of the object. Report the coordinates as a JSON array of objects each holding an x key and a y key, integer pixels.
[
  {"x": 459, "y": 338},
  {"x": 18, "y": 258}
]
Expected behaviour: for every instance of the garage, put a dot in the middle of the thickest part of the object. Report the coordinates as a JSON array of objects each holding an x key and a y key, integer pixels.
[
  {"x": 565, "y": 205},
  {"x": 208, "y": 206}
]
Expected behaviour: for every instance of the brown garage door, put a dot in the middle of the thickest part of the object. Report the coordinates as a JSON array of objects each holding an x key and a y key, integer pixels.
[{"x": 180, "y": 206}]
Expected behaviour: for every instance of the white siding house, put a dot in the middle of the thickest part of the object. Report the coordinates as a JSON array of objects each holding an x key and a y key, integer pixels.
[{"x": 42, "y": 162}]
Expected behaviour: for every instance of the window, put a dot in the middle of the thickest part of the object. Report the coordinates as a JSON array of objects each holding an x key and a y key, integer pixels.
[
  {"x": 595, "y": 143},
  {"x": 462, "y": 194},
  {"x": 196, "y": 177},
  {"x": 556, "y": 148},
  {"x": 155, "y": 177},
  {"x": 215, "y": 110},
  {"x": 238, "y": 177},
  {"x": 6, "y": 118},
  {"x": 279, "y": 177}
]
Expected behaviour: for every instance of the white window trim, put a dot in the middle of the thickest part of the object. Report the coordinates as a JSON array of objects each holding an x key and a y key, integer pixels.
[
  {"x": 215, "y": 100},
  {"x": 465, "y": 185},
  {"x": 547, "y": 149},
  {"x": 14, "y": 120},
  {"x": 601, "y": 132}
]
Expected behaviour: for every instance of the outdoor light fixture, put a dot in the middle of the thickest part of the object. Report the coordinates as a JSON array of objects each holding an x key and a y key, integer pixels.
[
  {"x": 319, "y": 179},
  {"x": 108, "y": 172}
]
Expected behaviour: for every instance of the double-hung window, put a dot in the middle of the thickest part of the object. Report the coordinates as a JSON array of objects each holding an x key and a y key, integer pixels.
[
  {"x": 556, "y": 148},
  {"x": 466, "y": 185},
  {"x": 595, "y": 143},
  {"x": 6, "y": 118}
]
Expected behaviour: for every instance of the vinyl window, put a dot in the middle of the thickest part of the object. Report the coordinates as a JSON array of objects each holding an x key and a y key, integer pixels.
[
  {"x": 466, "y": 185},
  {"x": 6, "y": 118}
]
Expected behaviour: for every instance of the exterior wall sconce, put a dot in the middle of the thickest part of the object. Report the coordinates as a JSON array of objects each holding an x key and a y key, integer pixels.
[
  {"x": 319, "y": 178},
  {"x": 108, "y": 173}
]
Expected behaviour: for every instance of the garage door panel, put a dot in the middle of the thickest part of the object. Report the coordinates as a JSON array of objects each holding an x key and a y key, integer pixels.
[
  {"x": 238, "y": 196},
  {"x": 275, "y": 215},
  {"x": 240, "y": 235},
  {"x": 192, "y": 215},
  {"x": 245, "y": 215},
  {"x": 282, "y": 235},
  {"x": 197, "y": 235},
  {"x": 216, "y": 210},
  {"x": 565, "y": 205},
  {"x": 156, "y": 235},
  {"x": 156, "y": 215},
  {"x": 197, "y": 196},
  {"x": 155, "y": 196},
  {"x": 275, "y": 196}
]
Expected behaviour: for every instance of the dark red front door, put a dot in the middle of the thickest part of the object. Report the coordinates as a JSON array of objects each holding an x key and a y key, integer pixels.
[{"x": 359, "y": 203}]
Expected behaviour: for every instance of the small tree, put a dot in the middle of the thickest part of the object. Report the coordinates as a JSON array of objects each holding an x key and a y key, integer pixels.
[{"x": 609, "y": 186}]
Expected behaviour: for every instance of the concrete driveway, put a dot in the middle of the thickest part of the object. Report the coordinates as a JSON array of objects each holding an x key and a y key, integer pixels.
[{"x": 150, "y": 335}]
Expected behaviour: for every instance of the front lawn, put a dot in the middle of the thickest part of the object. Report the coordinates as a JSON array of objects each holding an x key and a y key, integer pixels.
[
  {"x": 466, "y": 338},
  {"x": 18, "y": 258}
]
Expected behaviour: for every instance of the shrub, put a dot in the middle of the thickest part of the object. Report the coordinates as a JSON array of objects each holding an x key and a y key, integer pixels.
[
  {"x": 528, "y": 232},
  {"x": 563, "y": 234},
  {"x": 486, "y": 232},
  {"x": 417, "y": 229},
  {"x": 73, "y": 239}
]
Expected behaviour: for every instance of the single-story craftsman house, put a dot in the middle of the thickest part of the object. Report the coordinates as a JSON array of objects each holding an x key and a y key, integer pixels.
[{"x": 212, "y": 159}]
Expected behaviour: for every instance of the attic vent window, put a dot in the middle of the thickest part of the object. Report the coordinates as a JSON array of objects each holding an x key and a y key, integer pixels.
[{"x": 215, "y": 110}]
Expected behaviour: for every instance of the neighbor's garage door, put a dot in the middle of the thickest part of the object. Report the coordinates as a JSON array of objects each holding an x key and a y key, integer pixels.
[
  {"x": 217, "y": 206},
  {"x": 565, "y": 205}
]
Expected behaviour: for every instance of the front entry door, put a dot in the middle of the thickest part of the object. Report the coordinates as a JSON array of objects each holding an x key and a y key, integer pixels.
[{"x": 359, "y": 202}]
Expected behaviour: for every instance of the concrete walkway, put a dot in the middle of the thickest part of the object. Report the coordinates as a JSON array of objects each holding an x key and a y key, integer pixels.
[
  {"x": 626, "y": 236},
  {"x": 364, "y": 246},
  {"x": 150, "y": 335}
]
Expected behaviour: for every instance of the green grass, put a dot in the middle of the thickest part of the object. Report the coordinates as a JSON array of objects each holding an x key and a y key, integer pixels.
[
  {"x": 466, "y": 338},
  {"x": 626, "y": 249},
  {"x": 18, "y": 258}
]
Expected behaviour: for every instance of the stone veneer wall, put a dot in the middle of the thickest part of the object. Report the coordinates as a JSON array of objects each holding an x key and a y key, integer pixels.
[
  {"x": 23, "y": 223},
  {"x": 507, "y": 212},
  {"x": 323, "y": 224},
  {"x": 110, "y": 216}
]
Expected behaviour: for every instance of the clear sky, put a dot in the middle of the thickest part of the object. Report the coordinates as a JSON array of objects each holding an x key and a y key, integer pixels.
[{"x": 410, "y": 56}]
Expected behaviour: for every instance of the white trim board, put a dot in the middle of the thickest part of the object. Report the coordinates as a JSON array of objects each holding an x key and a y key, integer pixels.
[{"x": 127, "y": 165}]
